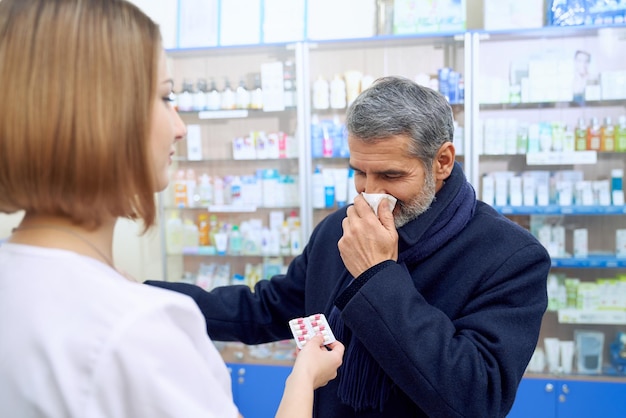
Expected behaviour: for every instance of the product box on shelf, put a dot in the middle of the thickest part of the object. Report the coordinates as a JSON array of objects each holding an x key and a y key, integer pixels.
[
  {"x": 236, "y": 27},
  {"x": 586, "y": 12},
  {"x": 197, "y": 23},
  {"x": 505, "y": 14},
  {"x": 341, "y": 19},
  {"x": 283, "y": 20},
  {"x": 428, "y": 16}
]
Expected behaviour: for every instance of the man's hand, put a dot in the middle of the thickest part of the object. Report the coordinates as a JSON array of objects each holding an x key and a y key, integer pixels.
[{"x": 367, "y": 240}]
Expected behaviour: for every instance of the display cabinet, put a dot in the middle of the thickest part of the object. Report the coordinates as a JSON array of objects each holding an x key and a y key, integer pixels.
[
  {"x": 258, "y": 388},
  {"x": 233, "y": 210},
  {"x": 569, "y": 398},
  {"x": 541, "y": 118},
  {"x": 549, "y": 141}
]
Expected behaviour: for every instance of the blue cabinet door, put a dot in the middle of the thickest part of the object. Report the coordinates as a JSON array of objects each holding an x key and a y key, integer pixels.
[
  {"x": 536, "y": 398},
  {"x": 591, "y": 399},
  {"x": 258, "y": 389},
  {"x": 556, "y": 398}
]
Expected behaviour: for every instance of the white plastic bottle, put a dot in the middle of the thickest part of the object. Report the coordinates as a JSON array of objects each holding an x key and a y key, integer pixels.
[
  {"x": 295, "y": 238},
  {"x": 185, "y": 97},
  {"x": 213, "y": 98},
  {"x": 191, "y": 234},
  {"x": 204, "y": 191},
  {"x": 285, "y": 239},
  {"x": 190, "y": 178},
  {"x": 352, "y": 193},
  {"x": 199, "y": 96},
  {"x": 174, "y": 234},
  {"x": 228, "y": 96},
  {"x": 235, "y": 241},
  {"x": 337, "y": 93},
  {"x": 242, "y": 96},
  {"x": 235, "y": 191},
  {"x": 218, "y": 191},
  {"x": 318, "y": 188},
  {"x": 256, "y": 95},
  {"x": 321, "y": 94}
]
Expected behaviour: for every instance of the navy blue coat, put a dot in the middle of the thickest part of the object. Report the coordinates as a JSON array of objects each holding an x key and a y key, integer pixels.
[{"x": 454, "y": 333}]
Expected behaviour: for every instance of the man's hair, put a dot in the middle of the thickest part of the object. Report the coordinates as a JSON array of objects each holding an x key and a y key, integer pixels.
[
  {"x": 79, "y": 80},
  {"x": 398, "y": 106}
]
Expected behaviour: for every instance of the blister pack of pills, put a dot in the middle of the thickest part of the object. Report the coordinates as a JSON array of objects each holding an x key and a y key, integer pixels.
[{"x": 303, "y": 329}]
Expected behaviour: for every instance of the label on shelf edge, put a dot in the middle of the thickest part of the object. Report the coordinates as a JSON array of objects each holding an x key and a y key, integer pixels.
[
  {"x": 565, "y": 158},
  {"x": 223, "y": 114}
]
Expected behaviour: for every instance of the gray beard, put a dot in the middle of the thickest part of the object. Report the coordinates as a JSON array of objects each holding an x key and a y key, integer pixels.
[{"x": 420, "y": 204}]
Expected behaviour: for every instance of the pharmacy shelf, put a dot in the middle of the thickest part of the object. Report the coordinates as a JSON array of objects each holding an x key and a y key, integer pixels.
[
  {"x": 548, "y": 32},
  {"x": 270, "y": 162},
  {"x": 576, "y": 316},
  {"x": 552, "y": 105},
  {"x": 561, "y": 210},
  {"x": 243, "y": 208},
  {"x": 236, "y": 113},
  {"x": 426, "y": 38},
  {"x": 202, "y": 251},
  {"x": 592, "y": 261}
]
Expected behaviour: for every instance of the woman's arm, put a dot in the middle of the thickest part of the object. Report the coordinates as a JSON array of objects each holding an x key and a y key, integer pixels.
[{"x": 316, "y": 364}]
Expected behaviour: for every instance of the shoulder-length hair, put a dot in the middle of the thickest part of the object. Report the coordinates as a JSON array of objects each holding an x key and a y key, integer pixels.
[{"x": 79, "y": 80}]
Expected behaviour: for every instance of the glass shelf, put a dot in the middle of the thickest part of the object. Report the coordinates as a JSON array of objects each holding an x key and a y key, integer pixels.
[
  {"x": 231, "y": 208},
  {"x": 552, "y": 105},
  {"x": 548, "y": 32},
  {"x": 236, "y": 113},
  {"x": 561, "y": 210},
  {"x": 592, "y": 261},
  {"x": 576, "y": 316},
  {"x": 233, "y": 160},
  {"x": 212, "y": 252}
]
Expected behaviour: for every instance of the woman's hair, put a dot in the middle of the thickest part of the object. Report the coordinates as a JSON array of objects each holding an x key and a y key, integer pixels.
[
  {"x": 398, "y": 106},
  {"x": 79, "y": 80}
]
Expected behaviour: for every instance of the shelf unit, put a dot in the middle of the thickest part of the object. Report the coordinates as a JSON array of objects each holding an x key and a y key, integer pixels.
[
  {"x": 218, "y": 129},
  {"x": 601, "y": 220}
]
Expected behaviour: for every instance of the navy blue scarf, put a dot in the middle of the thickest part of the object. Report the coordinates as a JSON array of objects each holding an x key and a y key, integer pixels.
[{"x": 362, "y": 383}]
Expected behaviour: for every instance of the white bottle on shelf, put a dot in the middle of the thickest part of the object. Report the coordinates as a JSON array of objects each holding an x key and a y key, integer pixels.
[
  {"x": 185, "y": 97},
  {"x": 235, "y": 241},
  {"x": 218, "y": 191},
  {"x": 242, "y": 96},
  {"x": 321, "y": 94},
  {"x": 191, "y": 234},
  {"x": 174, "y": 234},
  {"x": 318, "y": 197},
  {"x": 285, "y": 239},
  {"x": 228, "y": 97},
  {"x": 190, "y": 178},
  {"x": 199, "y": 96},
  {"x": 337, "y": 93},
  {"x": 213, "y": 98},
  {"x": 352, "y": 193},
  {"x": 204, "y": 191},
  {"x": 236, "y": 198}
]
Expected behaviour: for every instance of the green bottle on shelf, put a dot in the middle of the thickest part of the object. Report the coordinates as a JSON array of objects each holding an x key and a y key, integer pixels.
[
  {"x": 580, "y": 135},
  {"x": 620, "y": 134}
]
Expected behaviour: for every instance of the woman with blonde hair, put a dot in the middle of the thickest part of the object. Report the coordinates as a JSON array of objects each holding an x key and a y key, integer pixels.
[{"x": 87, "y": 134}]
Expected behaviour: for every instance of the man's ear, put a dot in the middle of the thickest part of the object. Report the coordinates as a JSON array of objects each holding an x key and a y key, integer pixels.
[{"x": 444, "y": 162}]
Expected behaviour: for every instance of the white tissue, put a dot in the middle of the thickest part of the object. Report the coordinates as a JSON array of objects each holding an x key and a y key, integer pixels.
[{"x": 374, "y": 200}]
